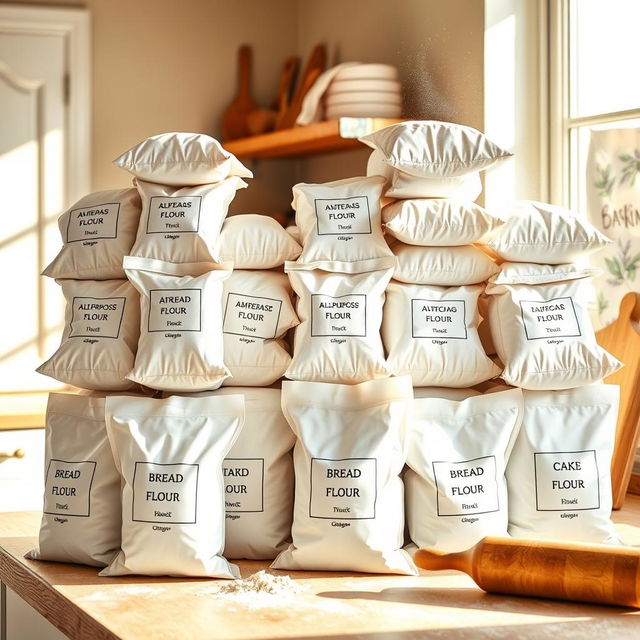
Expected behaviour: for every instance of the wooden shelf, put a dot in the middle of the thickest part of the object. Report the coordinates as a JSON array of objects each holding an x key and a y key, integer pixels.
[{"x": 322, "y": 137}]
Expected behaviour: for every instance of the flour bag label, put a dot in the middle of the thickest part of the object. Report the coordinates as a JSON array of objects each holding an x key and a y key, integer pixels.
[
  {"x": 96, "y": 317},
  {"x": 165, "y": 492},
  {"x": 175, "y": 310},
  {"x": 343, "y": 489},
  {"x": 555, "y": 318},
  {"x": 438, "y": 319},
  {"x": 243, "y": 485},
  {"x": 567, "y": 481},
  {"x": 68, "y": 488},
  {"x": 466, "y": 487},
  {"x": 93, "y": 223},
  {"x": 341, "y": 316},
  {"x": 252, "y": 316},
  {"x": 174, "y": 215},
  {"x": 343, "y": 216}
]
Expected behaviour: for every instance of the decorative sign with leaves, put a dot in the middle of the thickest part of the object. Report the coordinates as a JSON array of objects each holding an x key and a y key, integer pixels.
[{"x": 613, "y": 198}]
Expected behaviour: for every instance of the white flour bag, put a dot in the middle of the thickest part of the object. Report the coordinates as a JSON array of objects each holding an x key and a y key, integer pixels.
[
  {"x": 258, "y": 476},
  {"x": 256, "y": 241},
  {"x": 340, "y": 221},
  {"x": 541, "y": 328},
  {"x": 97, "y": 232},
  {"x": 441, "y": 222},
  {"x": 559, "y": 473},
  {"x": 338, "y": 338},
  {"x": 455, "y": 485},
  {"x": 431, "y": 334},
  {"x": 82, "y": 515},
  {"x": 183, "y": 224},
  {"x": 181, "y": 343},
  {"x": 258, "y": 311},
  {"x": 169, "y": 454},
  {"x": 351, "y": 448},
  {"x": 100, "y": 336}
]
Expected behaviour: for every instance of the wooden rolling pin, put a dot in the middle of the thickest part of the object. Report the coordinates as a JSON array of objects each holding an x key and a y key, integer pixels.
[{"x": 560, "y": 570}]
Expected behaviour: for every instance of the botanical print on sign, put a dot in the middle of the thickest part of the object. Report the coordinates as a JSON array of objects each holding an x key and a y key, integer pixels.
[{"x": 613, "y": 198}]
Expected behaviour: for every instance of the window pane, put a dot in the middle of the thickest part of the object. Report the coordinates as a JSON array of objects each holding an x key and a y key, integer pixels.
[{"x": 603, "y": 56}]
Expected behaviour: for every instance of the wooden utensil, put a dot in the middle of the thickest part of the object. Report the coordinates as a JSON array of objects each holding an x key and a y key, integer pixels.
[
  {"x": 315, "y": 66},
  {"x": 234, "y": 119},
  {"x": 622, "y": 339},
  {"x": 262, "y": 120},
  {"x": 561, "y": 570}
]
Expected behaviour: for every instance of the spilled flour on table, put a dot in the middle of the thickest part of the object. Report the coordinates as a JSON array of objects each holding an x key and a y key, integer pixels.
[{"x": 262, "y": 589}]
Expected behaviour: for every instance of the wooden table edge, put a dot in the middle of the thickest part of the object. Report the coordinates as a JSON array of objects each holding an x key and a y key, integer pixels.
[{"x": 53, "y": 605}]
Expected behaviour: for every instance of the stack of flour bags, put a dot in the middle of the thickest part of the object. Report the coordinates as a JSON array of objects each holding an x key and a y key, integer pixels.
[
  {"x": 142, "y": 483},
  {"x": 552, "y": 448}
]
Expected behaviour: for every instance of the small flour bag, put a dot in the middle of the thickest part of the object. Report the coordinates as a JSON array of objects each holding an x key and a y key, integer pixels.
[
  {"x": 183, "y": 224},
  {"x": 181, "y": 344},
  {"x": 81, "y": 518},
  {"x": 97, "y": 232},
  {"x": 338, "y": 338},
  {"x": 431, "y": 334},
  {"x": 258, "y": 311},
  {"x": 541, "y": 330},
  {"x": 340, "y": 220},
  {"x": 169, "y": 454},
  {"x": 351, "y": 448},
  {"x": 455, "y": 485},
  {"x": 258, "y": 477},
  {"x": 100, "y": 336},
  {"x": 559, "y": 473}
]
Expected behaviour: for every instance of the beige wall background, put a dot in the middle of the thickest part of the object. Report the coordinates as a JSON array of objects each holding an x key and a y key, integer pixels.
[{"x": 163, "y": 65}]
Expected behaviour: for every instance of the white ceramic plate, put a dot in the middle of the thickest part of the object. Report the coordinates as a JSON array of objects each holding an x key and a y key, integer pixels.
[
  {"x": 360, "y": 97},
  {"x": 370, "y": 71},
  {"x": 338, "y": 86},
  {"x": 367, "y": 110}
]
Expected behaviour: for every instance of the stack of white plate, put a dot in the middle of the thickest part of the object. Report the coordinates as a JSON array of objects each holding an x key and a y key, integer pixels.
[{"x": 364, "y": 91}]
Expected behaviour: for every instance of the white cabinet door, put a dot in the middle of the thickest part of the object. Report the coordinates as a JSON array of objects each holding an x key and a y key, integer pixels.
[
  {"x": 24, "y": 623},
  {"x": 22, "y": 479}
]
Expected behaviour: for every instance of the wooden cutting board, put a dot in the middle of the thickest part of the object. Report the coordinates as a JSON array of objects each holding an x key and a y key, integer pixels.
[{"x": 314, "y": 67}]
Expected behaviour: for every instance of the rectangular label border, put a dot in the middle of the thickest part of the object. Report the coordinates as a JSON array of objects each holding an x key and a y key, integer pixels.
[
  {"x": 164, "y": 464},
  {"x": 573, "y": 307},
  {"x": 253, "y": 510},
  {"x": 233, "y": 333},
  {"x": 176, "y": 330},
  {"x": 124, "y": 305},
  {"x": 93, "y": 474},
  {"x": 337, "y": 335},
  {"x": 375, "y": 498},
  {"x": 535, "y": 477},
  {"x": 93, "y": 238},
  {"x": 470, "y": 513},
  {"x": 342, "y": 233},
  {"x": 464, "y": 317},
  {"x": 197, "y": 229}
]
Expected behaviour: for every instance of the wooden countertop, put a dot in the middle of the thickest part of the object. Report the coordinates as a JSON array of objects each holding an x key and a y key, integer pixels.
[{"x": 357, "y": 606}]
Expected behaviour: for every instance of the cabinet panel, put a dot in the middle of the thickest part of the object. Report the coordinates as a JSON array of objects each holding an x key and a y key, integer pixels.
[{"x": 21, "y": 479}]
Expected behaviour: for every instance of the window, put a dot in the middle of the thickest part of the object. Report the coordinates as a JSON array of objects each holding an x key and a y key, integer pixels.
[{"x": 593, "y": 84}]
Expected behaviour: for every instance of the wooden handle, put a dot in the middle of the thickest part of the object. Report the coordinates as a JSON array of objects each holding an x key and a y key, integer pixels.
[
  {"x": 244, "y": 70},
  {"x": 547, "y": 569},
  {"x": 434, "y": 560},
  {"x": 286, "y": 81},
  {"x": 18, "y": 453}
]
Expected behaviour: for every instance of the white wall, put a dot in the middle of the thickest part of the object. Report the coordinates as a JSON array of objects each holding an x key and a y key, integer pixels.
[{"x": 163, "y": 65}]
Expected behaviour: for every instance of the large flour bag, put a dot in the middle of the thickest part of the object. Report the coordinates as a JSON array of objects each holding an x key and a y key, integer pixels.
[
  {"x": 539, "y": 319},
  {"x": 455, "y": 485},
  {"x": 338, "y": 338},
  {"x": 431, "y": 334},
  {"x": 181, "y": 345},
  {"x": 169, "y": 454},
  {"x": 559, "y": 473},
  {"x": 351, "y": 448},
  {"x": 258, "y": 478},
  {"x": 258, "y": 311},
  {"x": 81, "y": 517}
]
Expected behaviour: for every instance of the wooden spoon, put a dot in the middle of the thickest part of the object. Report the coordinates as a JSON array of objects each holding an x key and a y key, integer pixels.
[{"x": 234, "y": 119}]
